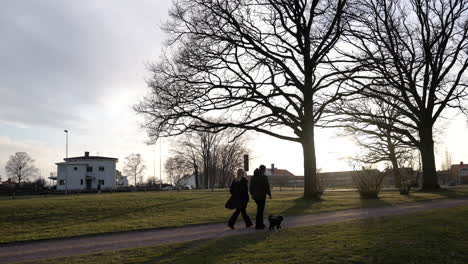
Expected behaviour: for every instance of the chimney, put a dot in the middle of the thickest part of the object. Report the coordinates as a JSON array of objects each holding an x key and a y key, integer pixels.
[{"x": 86, "y": 154}]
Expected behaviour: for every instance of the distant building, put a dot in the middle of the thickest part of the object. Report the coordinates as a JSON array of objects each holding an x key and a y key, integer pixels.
[
  {"x": 187, "y": 180},
  {"x": 278, "y": 172},
  {"x": 120, "y": 180},
  {"x": 87, "y": 173},
  {"x": 459, "y": 173},
  {"x": 342, "y": 179},
  {"x": 8, "y": 183},
  {"x": 278, "y": 177}
]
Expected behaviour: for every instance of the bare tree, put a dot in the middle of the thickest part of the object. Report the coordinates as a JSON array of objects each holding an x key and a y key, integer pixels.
[
  {"x": 176, "y": 168},
  {"x": 134, "y": 167},
  {"x": 413, "y": 55},
  {"x": 20, "y": 167},
  {"x": 264, "y": 64},
  {"x": 447, "y": 162},
  {"x": 370, "y": 122},
  {"x": 218, "y": 155}
]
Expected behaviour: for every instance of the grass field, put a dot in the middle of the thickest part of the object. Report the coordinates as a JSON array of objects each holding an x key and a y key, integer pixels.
[
  {"x": 66, "y": 216},
  {"x": 438, "y": 236}
]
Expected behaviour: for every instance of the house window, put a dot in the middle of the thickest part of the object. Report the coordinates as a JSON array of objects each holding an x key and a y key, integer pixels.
[
  {"x": 101, "y": 182},
  {"x": 61, "y": 182},
  {"x": 89, "y": 169},
  {"x": 81, "y": 181},
  {"x": 76, "y": 168},
  {"x": 101, "y": 168}
]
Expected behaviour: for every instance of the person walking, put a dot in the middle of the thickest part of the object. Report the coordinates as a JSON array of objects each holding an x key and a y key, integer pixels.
[
  {"x": 259, "y": 188},
  {"x": 239, "y": 199}
]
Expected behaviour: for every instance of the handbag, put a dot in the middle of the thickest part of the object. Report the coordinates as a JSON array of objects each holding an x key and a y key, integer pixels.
[{"x": 230, "y": 204}]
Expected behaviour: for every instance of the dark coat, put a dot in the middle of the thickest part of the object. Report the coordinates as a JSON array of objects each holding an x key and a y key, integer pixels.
[
  {"x": 259, "y": 187},
  {"x": 239, "y": 193}
]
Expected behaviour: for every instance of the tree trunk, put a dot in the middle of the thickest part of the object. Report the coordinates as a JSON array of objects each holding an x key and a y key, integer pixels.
[
  {"x": 428, "y": 159},
  {"x": 396, "y": 173},
  {"x": 395, "y": 167},
  {"x": 311, "y": 189},
  {"x": 197, "y": 181}
]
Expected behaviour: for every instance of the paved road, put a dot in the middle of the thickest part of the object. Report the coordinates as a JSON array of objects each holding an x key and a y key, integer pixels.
[{"x": 90, "y": 244}]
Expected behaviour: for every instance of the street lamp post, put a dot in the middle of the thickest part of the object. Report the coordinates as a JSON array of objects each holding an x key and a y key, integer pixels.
[
  {"x": 66, "y": 156},
  {"x": 160, "y": 165}
]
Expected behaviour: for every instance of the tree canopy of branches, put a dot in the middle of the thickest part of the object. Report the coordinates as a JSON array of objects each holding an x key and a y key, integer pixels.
[
  {"x": 413, "y": 55},
  {"x": 261, "y": 64},
  {"x": 134, "y": 167},
  {"x": 370, "y": 122},
  {"x": 20, "y": 167},
  {"x": 213, "y": 157},
  {"x": 176, "y": 168}
]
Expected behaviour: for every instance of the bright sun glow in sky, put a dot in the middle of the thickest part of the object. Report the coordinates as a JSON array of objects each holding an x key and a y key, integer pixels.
[{"x": 81, "y": 65}]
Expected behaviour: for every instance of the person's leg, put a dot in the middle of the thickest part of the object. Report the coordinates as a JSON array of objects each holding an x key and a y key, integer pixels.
[
  {"x": 262, "y": 210},
  {"x": 248, "y": 222},
  {"x": 259, "y": 217},
  {"x": 233, "y": 218}
]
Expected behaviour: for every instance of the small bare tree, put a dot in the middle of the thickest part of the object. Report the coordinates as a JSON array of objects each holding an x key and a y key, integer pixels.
[
  {"x": 447, "y": 162},
  {"x": 20, "y": 167},
  {"x": 134, "y": 167}
]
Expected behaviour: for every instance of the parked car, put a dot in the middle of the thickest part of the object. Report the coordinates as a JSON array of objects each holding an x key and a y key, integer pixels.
[
  {"x": 452, "y": 183},
  {"x": 168, "y": 188}
]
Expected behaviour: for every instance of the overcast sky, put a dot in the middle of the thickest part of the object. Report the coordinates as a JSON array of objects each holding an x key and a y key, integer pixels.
[{"x": 80, "y": 65}]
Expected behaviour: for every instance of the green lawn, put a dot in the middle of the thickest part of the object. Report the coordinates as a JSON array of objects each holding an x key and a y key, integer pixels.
[
  {"x": 66, "y": 216},
  {"x": 438, "y": 236}
]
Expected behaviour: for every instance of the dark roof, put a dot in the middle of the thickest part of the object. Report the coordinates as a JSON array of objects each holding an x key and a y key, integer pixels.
[
  {"x": 280, "y": 172},
  {"x": 89, "y": 158}
]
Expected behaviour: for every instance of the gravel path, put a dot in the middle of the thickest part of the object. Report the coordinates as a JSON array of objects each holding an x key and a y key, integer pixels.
[{"x": 90, "y": 244}]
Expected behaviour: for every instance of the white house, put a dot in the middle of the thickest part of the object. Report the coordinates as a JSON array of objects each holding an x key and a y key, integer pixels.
[
  {"x": 87, "y": 173},
  {"x": 187, "y": 180},
  {"x": 121, "y": 181}
]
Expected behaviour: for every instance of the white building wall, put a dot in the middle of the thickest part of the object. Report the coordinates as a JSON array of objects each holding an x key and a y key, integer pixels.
[
  {"x": 76, "y": 175},
  {"x": 69, "y": 178},
  {"x": 190, "y": 181}
]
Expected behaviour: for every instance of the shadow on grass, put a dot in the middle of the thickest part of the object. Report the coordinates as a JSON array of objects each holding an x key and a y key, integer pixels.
[
  {"x": 447, "y": 193},
  {"x": 373, "y": 202},
  {"x": 300, "y": 206},
  {"x": 211, "y": 251}
]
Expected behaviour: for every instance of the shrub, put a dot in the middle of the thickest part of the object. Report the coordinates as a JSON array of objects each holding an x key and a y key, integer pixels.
[
  {"x": 406, "y": 181},
  {"x": 321, "y": 184},
  {"x": 368, "y": 183}
]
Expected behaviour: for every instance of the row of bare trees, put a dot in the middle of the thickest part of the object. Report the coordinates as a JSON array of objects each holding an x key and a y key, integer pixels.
[
  {"x": 387, "y": 67},
  {"x": 211, "y": 157}
]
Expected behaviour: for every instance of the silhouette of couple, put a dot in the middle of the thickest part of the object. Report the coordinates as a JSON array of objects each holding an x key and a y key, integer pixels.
[{"x": 259, "y": 189}]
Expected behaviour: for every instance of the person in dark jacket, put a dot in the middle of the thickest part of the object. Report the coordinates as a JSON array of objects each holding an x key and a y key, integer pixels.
[
  {"x": 259, "y": 188},
  {"x": 240, "y": 198}
]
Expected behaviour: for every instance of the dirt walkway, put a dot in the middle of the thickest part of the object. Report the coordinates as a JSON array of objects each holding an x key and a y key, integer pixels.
[{"x": 91, "y": 244}]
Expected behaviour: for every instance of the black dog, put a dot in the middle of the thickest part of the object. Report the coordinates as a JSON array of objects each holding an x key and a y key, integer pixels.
[{"x": 275, "y": 220}]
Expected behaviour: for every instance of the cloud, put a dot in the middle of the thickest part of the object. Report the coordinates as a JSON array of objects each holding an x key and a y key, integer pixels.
[{"x": 60, "y": 57}]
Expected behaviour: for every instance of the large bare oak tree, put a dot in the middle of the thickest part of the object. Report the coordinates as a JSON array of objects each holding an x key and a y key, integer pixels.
[
  {"x": 262, "y": 65},
  {"x": 414, "y": 57}
]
